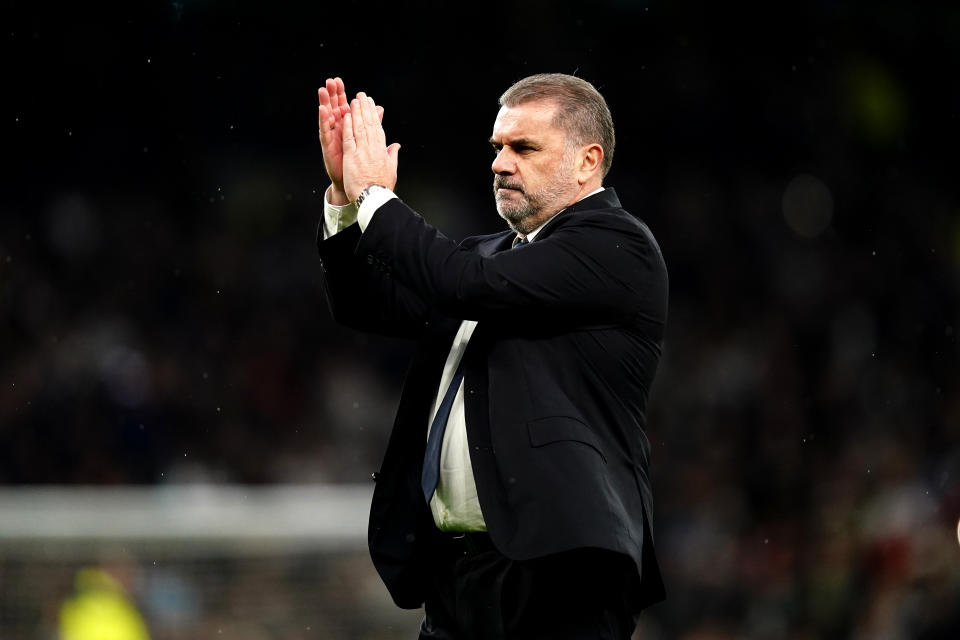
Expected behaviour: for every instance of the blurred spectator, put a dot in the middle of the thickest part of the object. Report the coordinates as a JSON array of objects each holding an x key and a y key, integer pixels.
[{"x": 100, "y": 610}]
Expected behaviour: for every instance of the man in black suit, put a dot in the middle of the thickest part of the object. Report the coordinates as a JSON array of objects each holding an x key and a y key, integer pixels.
[{"x": 514, "y": 498}]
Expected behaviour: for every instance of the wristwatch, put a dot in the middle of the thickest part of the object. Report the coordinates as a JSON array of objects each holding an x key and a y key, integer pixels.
[{"x": 366, "y": 192}]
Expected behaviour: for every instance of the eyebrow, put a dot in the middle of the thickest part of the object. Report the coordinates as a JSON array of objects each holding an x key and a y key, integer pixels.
[{"x": 519, "y": 142}]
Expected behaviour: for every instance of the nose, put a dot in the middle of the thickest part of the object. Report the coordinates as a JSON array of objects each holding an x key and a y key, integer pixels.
[{"x": 504, "y": 163}]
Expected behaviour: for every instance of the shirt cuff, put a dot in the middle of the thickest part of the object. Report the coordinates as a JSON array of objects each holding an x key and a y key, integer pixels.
[
  {"x": 337, "y": 218},
  {"x": 371, "y": 203}
]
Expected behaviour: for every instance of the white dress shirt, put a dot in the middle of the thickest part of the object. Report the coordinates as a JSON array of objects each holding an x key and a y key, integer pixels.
[{"x": 454, "y": 505}]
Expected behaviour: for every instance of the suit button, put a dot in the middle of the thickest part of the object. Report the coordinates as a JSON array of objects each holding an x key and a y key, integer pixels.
[{"x": 369, "y": 258}]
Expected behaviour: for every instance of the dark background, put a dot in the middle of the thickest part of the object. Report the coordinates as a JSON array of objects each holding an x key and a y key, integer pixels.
[{"x": 162, "y": 319}]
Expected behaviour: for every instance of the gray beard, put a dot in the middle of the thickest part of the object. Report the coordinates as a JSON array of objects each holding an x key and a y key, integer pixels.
[
  {"x": 521, "y": 215},
  {"x": 530, "y": 211}
]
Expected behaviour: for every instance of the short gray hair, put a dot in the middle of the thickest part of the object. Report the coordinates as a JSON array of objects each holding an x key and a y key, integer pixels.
[{"x": 582, "y": 112}]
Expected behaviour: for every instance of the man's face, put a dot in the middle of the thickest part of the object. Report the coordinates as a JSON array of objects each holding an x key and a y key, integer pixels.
[{"x": 534, "y": 176}]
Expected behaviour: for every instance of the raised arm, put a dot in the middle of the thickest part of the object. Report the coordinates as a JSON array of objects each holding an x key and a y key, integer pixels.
[{"x": 361, "y": 293}]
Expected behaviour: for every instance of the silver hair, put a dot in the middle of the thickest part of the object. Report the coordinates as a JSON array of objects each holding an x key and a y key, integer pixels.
[{"x": 583, "y": 113}]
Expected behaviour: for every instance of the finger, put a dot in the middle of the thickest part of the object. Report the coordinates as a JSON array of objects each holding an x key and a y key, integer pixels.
[
  {"x": 348, "y": 139},
  {"x": 323, "y": 112},
  {"x": 372, "y": 122},
  {"x": 329, "y": 130},
  {"x": 362, "y": 99},
  {"x": 393, "y": 155},
  {"x": 370, "y": 112},
  {"x": 323, "y": 121},
  {"x": 328, "y": 100},
  {"x": 333, "y": 90},
  {"x": 341, "y": 93},
  {"x": 356, "y": 120},
  {"x": 380, "y": 113}
]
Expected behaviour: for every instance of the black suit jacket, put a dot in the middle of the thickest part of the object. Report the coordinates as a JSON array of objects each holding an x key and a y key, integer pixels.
[{"x": 557, "y": 375}]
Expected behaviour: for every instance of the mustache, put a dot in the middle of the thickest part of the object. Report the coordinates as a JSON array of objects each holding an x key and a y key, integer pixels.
[{"x": 501, "y": 182}]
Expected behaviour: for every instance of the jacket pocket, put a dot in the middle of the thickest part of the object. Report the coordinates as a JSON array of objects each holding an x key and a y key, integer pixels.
[{"x": 544, "y": 431}]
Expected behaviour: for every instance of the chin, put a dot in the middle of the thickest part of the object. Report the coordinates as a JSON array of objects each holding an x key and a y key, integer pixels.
[{"x": 519, "y": 221}]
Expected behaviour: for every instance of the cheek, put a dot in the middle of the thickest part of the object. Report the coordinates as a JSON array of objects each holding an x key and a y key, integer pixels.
[{"x": 537, "y": 173}]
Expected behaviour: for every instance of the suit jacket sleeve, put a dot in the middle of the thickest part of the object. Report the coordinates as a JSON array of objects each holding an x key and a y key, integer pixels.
[
  {"x": 593, "y": 267},
  {"x": 362, "y": 292}
]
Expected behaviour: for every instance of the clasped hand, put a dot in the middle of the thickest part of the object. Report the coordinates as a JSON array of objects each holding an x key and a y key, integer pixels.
[{"x": 354, "y": 146}]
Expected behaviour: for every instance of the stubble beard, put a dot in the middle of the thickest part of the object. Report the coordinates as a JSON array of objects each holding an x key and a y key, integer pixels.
[{"x": 533, "y": 207}]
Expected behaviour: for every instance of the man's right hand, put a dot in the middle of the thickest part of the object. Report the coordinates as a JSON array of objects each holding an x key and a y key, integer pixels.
[{"x": 333, "y": 104}]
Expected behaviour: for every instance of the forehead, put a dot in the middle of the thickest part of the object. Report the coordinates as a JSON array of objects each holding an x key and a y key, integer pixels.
[{"x": 525, "y": 120}]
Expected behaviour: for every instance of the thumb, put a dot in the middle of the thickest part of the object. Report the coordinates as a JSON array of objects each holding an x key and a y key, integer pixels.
[{"x": 393, "y": 152}]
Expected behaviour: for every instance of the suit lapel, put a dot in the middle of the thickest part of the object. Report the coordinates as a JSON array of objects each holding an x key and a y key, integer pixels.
[
  {"x": 495, "y": 243},
  {"x": 606, "y": 199}
]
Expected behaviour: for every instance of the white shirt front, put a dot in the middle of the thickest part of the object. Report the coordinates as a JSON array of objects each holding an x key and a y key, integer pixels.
[{"x": 454, "y": 505}]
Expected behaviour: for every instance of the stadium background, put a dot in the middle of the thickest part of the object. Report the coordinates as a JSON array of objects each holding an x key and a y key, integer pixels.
[{"x": 162, "y": 326}]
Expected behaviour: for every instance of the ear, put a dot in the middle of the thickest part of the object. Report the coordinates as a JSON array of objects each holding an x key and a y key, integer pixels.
[{"x": 589, "y": 162}]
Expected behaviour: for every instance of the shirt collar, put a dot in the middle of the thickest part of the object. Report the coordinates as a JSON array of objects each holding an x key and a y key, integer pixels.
[{"x": 533, "y": 234}]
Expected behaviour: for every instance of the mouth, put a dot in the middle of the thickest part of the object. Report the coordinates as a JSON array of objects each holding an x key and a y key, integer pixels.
[{"x": 507, "y": 190}]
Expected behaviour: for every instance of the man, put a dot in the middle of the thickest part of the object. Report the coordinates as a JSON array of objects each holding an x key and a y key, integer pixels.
[{"x": 514, "y": 498}]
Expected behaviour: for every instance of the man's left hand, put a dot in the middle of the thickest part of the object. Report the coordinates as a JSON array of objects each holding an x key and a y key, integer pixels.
[{"x": 367, "y": 159}]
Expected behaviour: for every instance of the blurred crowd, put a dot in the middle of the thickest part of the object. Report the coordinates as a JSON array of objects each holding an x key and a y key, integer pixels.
[
  {"x": 171, "y": 596},
  {"x": 162, "y": 317}
]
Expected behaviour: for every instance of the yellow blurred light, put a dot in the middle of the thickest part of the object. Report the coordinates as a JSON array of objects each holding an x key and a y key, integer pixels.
[{"x": 875, "y": 101}]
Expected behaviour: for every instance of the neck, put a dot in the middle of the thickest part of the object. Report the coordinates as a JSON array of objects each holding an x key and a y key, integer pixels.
[{"x": 585, "y": 190}]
